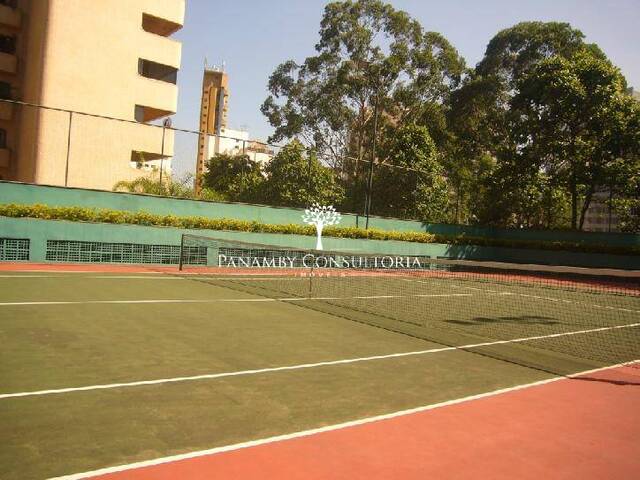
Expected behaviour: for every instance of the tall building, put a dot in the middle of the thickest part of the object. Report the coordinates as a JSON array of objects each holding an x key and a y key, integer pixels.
[
  {"x": 215, "y": 137},
  {"x": 213, "y": 114},
  {"x": 112, "y": 58}
]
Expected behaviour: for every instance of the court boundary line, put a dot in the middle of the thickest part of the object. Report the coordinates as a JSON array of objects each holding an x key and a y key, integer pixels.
[
  {"x": 232, "y": 300},
  {"x": 535, "y": 297},
  {"x": 328, "y": 428},
  {"x": 302, "y": 366}
]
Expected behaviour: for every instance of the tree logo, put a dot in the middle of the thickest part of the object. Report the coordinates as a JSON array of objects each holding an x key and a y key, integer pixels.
[{"x": 320, "y": 217}]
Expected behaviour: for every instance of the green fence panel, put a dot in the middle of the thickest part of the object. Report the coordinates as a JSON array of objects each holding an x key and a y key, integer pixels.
[{"x": 40, "y": 231}]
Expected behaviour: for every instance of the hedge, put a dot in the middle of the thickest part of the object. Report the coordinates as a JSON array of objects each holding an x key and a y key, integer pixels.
[{"x": 99, "y": 215}]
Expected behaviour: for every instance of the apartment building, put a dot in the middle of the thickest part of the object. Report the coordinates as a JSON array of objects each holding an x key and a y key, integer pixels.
[
  {"x": 110, "y": 58},
  {"x": 213, "y": 115}
]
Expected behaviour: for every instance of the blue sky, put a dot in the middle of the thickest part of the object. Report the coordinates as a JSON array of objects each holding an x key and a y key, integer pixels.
[{"x": 254, "y": 36}]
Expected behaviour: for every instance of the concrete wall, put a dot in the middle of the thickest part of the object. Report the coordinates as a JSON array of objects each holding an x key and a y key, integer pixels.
[
  {"x": 56, "y": 196},
  {"x": 39, "y": 231}
]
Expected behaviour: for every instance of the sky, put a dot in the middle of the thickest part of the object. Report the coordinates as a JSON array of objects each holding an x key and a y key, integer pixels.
[{"x": 253, "y": 37}]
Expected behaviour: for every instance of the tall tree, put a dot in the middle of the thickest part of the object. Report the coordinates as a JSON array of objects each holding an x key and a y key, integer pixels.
[
  {"x": 411, "y": 182},
  {"x": 481, "y": 117},
  {"x": 367, "y": 52},
  {"x": 572, "y": 121},
  {"x": 295, "y": 178}
]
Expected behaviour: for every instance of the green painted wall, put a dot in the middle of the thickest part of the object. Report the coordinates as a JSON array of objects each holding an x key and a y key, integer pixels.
[
  {"x": 11, "y": 192},
  {"x": 39, "y": 231}
]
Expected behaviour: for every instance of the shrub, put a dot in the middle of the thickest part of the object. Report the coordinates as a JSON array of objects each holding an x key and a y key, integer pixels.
[{"x": 100, "y": 215}]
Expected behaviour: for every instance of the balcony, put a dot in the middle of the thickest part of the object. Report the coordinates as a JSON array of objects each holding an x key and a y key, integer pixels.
[
  {"x": 144, "y": 114},
  {"x": 8, "y": 63},
  {"x": 156, "y": 96},
  {"x": 6, "y": 111},
  {"x": 157, "y": 71},
  {"x": 161, "y": 50},
  {"x": 9, "y": 17},
  {"x": 5, "y": 157},
  {"x": 159, "y": 26},
  {"x": 166, "y": 11}
]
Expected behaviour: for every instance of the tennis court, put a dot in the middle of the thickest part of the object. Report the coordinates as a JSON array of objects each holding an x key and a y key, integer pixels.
[{"x": 103, "y": 369}]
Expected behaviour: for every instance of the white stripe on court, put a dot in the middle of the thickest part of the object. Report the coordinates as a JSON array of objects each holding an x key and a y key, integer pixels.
[
  {"x": 154, "y": 276},
  {"x": 233, "y": 300},
  {"x": 328, "y": 428},
  {"x": 211, "y": 376},
  {"x": 536, "y": 297}
]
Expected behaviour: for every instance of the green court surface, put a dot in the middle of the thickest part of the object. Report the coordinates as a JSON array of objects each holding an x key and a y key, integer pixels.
[{"x": 71, "y": 330}]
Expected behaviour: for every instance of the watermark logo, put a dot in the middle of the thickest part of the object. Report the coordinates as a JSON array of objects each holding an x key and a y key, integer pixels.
[{"x": 320, "y": 217}]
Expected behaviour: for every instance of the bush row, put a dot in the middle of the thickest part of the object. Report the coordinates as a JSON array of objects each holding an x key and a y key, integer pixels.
[{"x": 143, "y": 218}]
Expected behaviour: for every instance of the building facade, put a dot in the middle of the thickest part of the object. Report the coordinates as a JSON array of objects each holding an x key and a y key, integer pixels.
[
  {"x": 213, "y": 115},
  {"x": 237, "y": 142},
  {"x": 105, "y": 58}
]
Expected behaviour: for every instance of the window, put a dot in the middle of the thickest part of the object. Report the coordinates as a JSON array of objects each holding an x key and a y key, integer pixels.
[
  {"x": 8, "y": 44},
  {"x": 157, "y": 71},
  {"x": 9, "y": 3},
  {"x": 5, "y": 90},
  {"x": 3, "y": 138}
]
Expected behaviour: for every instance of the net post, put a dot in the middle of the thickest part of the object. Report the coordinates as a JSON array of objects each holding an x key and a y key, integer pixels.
[
  {"x": 181, "y": 252},
  {"x": 311, "y": 281}
]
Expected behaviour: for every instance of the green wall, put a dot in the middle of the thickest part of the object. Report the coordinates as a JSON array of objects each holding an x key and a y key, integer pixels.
[
  {"x": 39, "y": 231},
  {"x": 12, "y": 192}
]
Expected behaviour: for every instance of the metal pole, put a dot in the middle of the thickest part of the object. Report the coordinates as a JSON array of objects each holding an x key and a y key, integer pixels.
[
  {"x": 166, "y": 123},
  {"x": 367, "y": 209},
  {"x": 309, "y": 180},
  {"x": 610, "y": 200},
  {"x": 162, "y": 153},
  {"x": 181, "y": 252},
  {"x": 66, "y": 167}
]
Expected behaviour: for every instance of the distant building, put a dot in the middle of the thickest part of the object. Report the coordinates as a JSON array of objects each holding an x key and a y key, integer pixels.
[
  {"x": 215, "y": 137},
  {"x": 111, "y": 58},
  {"x": 236, "y": 142},
  {"x": 213, "y": 114},
  {"x": 600, "y": 217}
]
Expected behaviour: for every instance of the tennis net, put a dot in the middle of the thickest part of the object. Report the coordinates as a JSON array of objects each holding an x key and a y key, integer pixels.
[{"x": 556, "y": 319}]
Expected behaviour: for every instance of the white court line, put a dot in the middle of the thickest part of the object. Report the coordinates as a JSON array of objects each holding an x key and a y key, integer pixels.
[
  {"x": 329, "y": 428},
  {"x": 538, "y": 297},
  {"x": 302, "y": 366},
  {"x": 232, "y": 300},
  {"x": 233, "y": 277}
]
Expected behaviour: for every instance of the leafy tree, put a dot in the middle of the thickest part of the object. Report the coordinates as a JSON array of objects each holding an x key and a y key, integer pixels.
[
  {"x": 368, "y": 52},
  {"x": 416, "y": 187},
  {"x": 480, "y": 115},
  {"x": 572, "y": 121},
  {"x": 235, "y": 177},
  {"x": 519, "y": 196},
  {"x": 295, "y": 178}
]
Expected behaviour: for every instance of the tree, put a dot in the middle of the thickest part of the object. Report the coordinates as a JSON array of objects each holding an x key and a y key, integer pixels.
[
  {"x": 295, "y": 178},
  {"x": 571, "y": 118},
  {"x": 411, "y": 183},
  {"x": 236, "y": 177},
  {"x": 480, "y": 115},
  {"x": 169, "y": 187},
  {"x": 367, "y": 50}
]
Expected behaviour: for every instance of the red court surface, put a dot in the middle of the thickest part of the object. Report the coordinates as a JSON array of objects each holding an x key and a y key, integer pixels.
[{"x": 582, "y": 428}]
